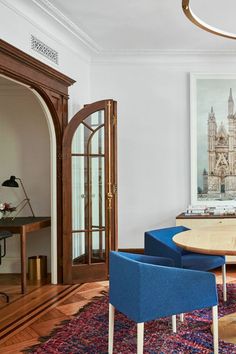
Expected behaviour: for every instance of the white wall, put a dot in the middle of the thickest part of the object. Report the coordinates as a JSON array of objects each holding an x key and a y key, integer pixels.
[
  {"x": 25, "y": 153},
  {"x": 153, "y": 135}
]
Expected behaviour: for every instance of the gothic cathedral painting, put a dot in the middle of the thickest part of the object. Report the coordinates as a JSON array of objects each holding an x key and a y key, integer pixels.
[{"x": 213, "y": 139}]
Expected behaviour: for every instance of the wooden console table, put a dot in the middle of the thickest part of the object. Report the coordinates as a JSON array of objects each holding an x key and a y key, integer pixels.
[
  {"x": 196, "y": 221},
  {"x": 22, "y": 226}
]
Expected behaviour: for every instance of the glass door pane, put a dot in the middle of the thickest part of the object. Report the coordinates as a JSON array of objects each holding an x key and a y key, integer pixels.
[{"x": 88, "y": 191}]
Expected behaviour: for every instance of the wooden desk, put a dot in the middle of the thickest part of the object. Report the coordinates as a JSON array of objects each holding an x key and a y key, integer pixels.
[{"x": 22, "y": 226}]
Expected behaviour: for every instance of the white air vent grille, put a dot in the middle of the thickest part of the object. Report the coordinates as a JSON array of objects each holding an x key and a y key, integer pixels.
[{"x": 43, "y": 49}]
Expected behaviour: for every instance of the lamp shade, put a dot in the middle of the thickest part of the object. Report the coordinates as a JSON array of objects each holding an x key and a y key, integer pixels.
[{"x": 11, "y": 182}]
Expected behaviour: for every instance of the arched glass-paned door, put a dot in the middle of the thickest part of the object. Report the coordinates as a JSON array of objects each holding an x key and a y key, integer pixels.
[{"x": 89, "y": 193}]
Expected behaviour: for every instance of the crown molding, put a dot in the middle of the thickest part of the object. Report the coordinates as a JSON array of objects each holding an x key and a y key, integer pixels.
[
  {"x": 170, "y": 52},
  {"x": 70, "y": 26},
  {"x": 163, "y": 56},
  {"x": 86, "y": 56}
]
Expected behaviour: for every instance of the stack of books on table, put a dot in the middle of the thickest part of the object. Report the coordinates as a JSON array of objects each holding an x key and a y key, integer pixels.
[
  {"x": 197, "y": 210},
  {"x": 225, "y": 210}
]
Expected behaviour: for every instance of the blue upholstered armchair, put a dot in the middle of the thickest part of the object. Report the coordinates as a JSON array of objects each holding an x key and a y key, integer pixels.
[
  {"x": 159, "y": 243},
  {"x": 147, "y": 288}
]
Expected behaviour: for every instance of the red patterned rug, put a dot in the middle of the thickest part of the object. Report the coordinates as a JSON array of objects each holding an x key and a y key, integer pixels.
[{"x": 88, "y": 332}]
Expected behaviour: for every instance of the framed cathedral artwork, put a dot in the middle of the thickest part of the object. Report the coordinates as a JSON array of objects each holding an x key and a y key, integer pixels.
[{"x": 213, "y": 139}]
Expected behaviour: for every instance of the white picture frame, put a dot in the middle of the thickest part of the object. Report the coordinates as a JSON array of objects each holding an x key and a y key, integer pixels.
[{"x": 213, "y": 143}]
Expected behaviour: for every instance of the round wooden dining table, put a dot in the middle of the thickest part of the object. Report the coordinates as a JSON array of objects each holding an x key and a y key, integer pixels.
[{"x": 217, "y": 240}]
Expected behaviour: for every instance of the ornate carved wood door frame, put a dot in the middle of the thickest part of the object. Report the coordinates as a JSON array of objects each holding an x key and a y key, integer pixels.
[{"x": 52, "y": 86}]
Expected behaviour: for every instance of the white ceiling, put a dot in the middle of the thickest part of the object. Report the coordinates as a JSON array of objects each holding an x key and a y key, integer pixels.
[{"x": 142, "y": 25}]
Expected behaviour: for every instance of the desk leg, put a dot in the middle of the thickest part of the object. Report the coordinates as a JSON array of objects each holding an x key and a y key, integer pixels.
[{"x": 23, "y": 260}]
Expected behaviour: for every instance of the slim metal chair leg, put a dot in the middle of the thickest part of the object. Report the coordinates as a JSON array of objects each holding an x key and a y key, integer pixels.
[
  {"x": 111, "y": 328},
  {"x": 140, "y": 334},
  {"x": 215, "y": 329},
  {"x": 224, "y": 282},
  {"x": 174, "y": 325}
]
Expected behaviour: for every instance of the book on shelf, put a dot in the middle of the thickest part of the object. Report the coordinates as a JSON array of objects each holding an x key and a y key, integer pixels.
[
  {"x": 205, "y": 210},
  {"x": 225, "y": 210},
  {"x": 196, "y": 213},
  {"x": 196, "y": 210}
]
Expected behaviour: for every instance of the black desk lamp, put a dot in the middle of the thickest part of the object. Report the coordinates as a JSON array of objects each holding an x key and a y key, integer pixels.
[{"x": 12, "y": 183}]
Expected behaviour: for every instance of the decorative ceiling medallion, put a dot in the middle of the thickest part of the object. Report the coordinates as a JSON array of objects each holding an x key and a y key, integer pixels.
[{"x": 198, "y": 22}]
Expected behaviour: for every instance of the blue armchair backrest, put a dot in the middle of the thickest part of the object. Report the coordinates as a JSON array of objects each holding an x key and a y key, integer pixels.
[
  {"x": 145, "y": 291},
  {"x": 159, "y": 243}
]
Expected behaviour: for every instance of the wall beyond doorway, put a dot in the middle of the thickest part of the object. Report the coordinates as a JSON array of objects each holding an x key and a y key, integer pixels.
[{"x": 25, "y": 153}]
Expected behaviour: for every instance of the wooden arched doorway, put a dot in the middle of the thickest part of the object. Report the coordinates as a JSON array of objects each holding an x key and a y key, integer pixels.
[{"x": 52, "y": 86}]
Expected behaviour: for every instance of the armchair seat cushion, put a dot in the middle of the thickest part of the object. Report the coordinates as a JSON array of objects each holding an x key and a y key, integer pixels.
[{"x": 197, "y": 261}]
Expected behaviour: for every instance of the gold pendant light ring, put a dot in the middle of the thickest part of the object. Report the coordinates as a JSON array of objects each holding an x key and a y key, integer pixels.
[{"x": 198, "y": 22}]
